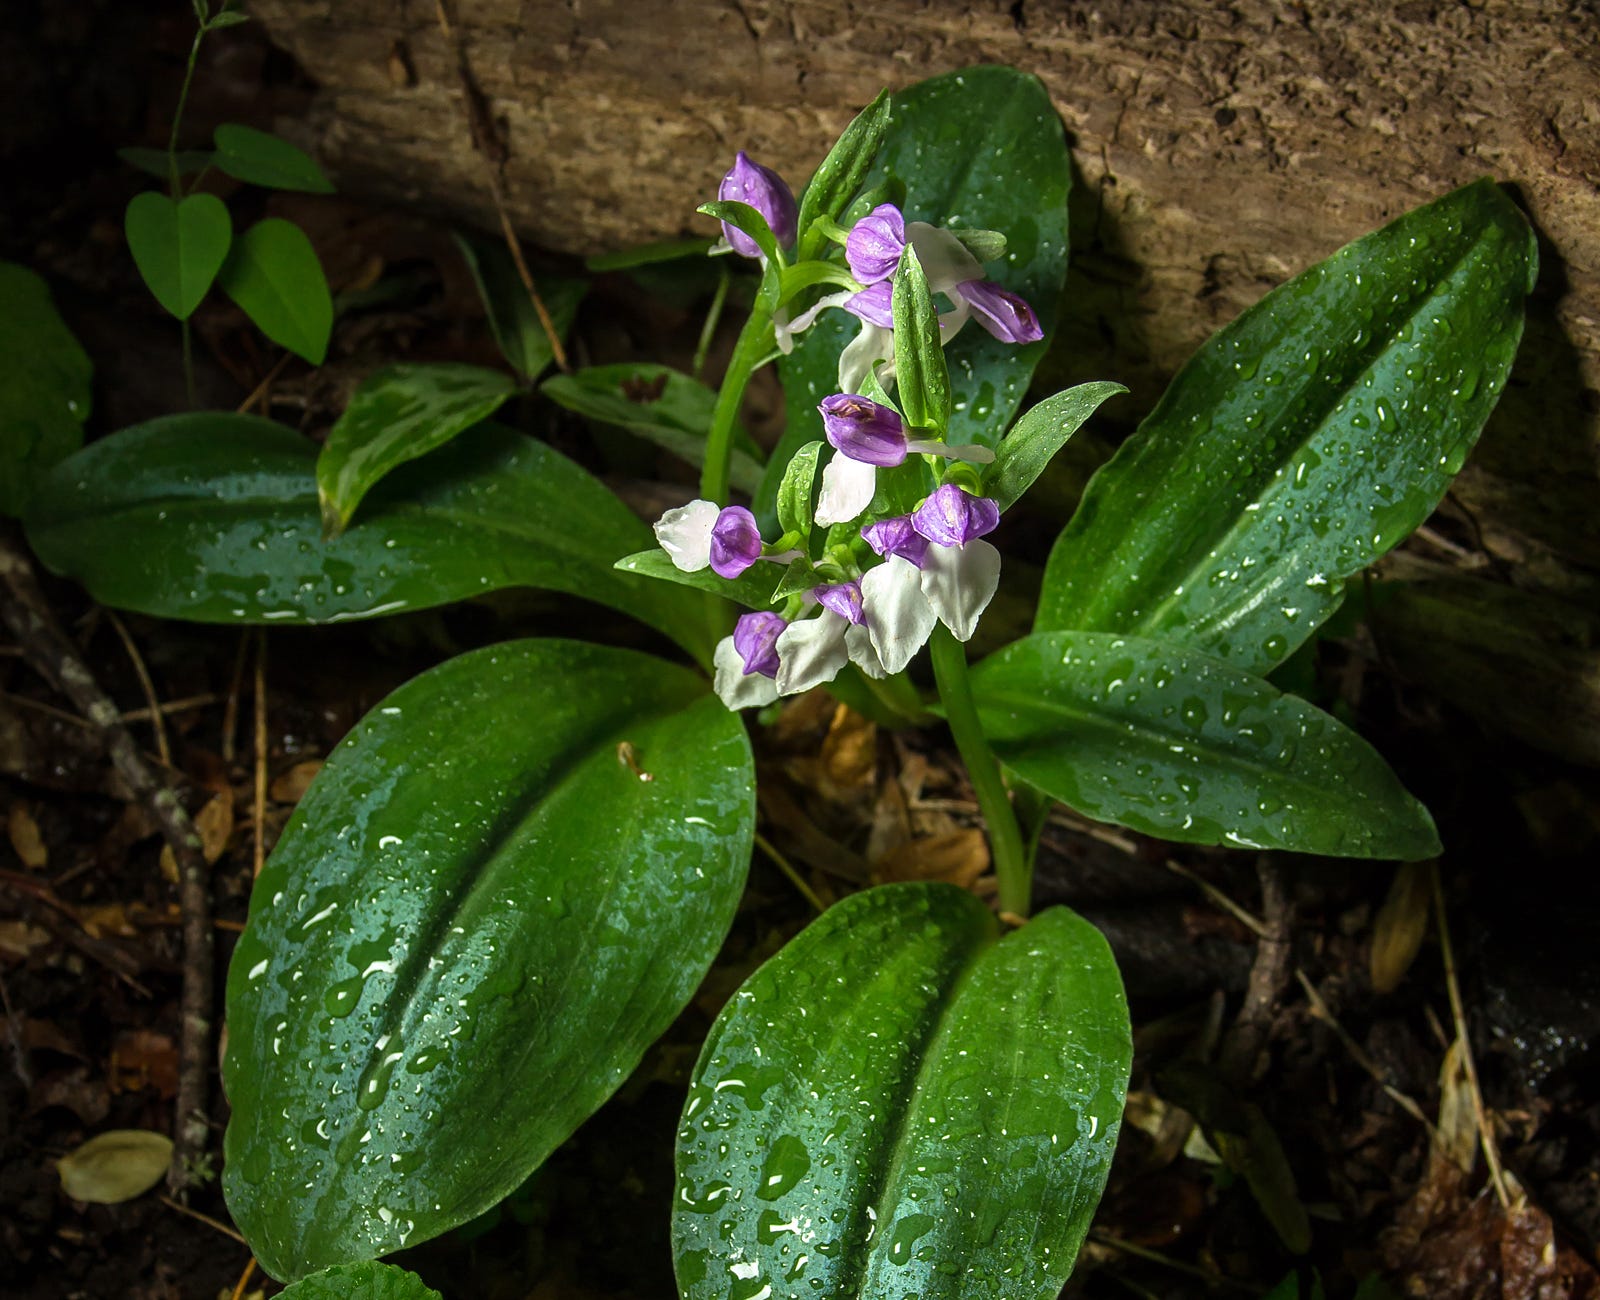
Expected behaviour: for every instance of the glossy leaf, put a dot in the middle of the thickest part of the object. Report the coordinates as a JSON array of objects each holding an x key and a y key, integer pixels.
[
  {"x": 841, "y": 174},
  {"x": 214, "y": 518},
  {"x": 797, "y": 492},
  {"x": 1034, "y": 439},
  {"x": 513, "y": 319},
  {"x": 753, "y": 588},
  {"x": 922, "y": 379},
  {"x": 261, "y": 158},
  {"x": 397, "y": 414},
  {"x": 366, "y": 1281},
  {"x": 659, "y": 404},
  {"x": 1303, "y": 440},
  {"x": 275, "y": 278},
  {"x": 898, "y": 1105},
  {"x": 178, "y": 246},
  {"x": 981, "y": 148},
  {"x": 45, "y": 389},
  {"x": 1174, "y": 743},
  {"x": 744, "y": 217},
  {"x": 500, "y": 889}
]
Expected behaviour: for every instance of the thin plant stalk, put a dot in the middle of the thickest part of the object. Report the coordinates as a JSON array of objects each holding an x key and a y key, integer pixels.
[
  {"x": 755, "y": 341},
  {"x": 176, "y": 184}
]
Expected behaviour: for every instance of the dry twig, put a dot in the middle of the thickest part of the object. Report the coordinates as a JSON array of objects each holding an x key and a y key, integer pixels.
[{"x": 1269, "y": 974}]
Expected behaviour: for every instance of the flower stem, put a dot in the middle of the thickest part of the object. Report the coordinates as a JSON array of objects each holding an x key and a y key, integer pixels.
[
  {"x": 1005, "y": 837},
  {"x": 755, "y": 340},
  {"x": 177, "y": 115}
]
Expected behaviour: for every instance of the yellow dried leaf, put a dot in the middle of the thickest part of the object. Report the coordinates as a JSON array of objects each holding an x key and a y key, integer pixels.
[
  {"x": 214, "y": 824},
  {"x": 116, "y": 1166},
  {"x": 1402, "y": 923},
  {"x": 25, "y": 837},
  {"x": 958, "y": 858},
  {"x": 1458, "y": 1117},
  {"x": 19, "y": 939},
  {"x": 106, "y": 920},
  {"x": 291, "y": 787}
]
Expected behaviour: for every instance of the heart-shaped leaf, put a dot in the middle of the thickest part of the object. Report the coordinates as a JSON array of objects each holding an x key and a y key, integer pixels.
[
  {"x": 500, "y": 889},
  {"x": 397, "y": 414},
  {"x": 44, "y": 386},
  {"x": 274, "y": 276},
  {"x": 178, "y": 246},
  {"x": 980, "y": 149},
  {"x": 214, "y": 518},
  {"x": 261, "y": 158},
  {"x": 1174, "y": 743},
  {"x": 1303, "y": 440},
  {"x": 898, "y": 1105},
  {"x": 360, "y": 1282}
]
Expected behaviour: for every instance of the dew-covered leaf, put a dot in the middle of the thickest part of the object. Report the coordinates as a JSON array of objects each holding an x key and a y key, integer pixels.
[
  {"x": 1174, "y": 743},
  {"x": 502, "y": 887},
  {"x": 45, "y": 389},
  {"x": 1041, "y": 432},
  {"x": 899, "y": 1105},
  {"x": 1303, "y": 440},
  {"x": 368, "y": 1281}
]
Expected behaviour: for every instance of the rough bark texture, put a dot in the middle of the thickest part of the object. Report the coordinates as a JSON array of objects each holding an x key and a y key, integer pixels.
[{"x": 1221, "y": 148}]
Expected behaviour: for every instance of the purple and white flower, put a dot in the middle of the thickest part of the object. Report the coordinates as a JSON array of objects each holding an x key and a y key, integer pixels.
[
  {"x": 765, "y": 191},
  {"x": 703, "y": 534}
]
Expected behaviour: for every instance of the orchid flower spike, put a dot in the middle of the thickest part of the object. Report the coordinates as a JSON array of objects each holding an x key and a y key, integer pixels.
[
  {"x": 765, "y": 191},
  {"x": 869, "y": 436}
]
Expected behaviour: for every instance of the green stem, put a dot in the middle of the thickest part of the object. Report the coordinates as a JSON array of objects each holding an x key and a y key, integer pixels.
[
  {"x": 712, "y": 318},
  {"x": 755, "y": 341},
  {"x": 177, "y": 116},
  {"x": 188, "y": 365},
  {"x": 961, "y": 712}
]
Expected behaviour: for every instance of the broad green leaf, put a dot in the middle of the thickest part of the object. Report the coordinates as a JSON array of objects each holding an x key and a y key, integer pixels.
[
  {"x": 841, "y": 174},
  {"x": 154, "y": 162},
  {"x": 214, "y": 517},
  {"x": 1173, "y": 743},
  {"x": 502, "y": 887},
  {"x": 45, "y": 389},
  {"x": 115, "y": 1166},
  {"x": 261, "y": 158},
  {"x": 274, "y": 276},
  {"x": 664, "y": 250},
  {"x": 753, "y": 588},
  {"x": 397, "y": 414},
  {"x": 983, "y": 149},
  {"x": 1303, "y": 440},
  {"x": 1041, "y": 432},
  {"x": 659, "y": 404},
  {"x": 178, "y": 247},
  {"x": 898, "y": 1105},
  {"x": 367, "y": 1281},
  {"x": 513, "y": 319},
  {"x": 922, "y": 379},
  {"x": 796, "y": 494}
]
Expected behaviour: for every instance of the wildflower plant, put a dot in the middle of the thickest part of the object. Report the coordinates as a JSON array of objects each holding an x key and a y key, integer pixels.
[{"x": 511, "y": 876}]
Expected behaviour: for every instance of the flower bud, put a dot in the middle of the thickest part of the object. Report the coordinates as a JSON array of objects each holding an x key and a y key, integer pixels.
[
  {"x": 863, "y": 430},
  {"x": 874, "y": 244},
  {"x": 765, "y": 191},
  {"x": 755, "y": 637},
  {"x": 952, "y": 517}
]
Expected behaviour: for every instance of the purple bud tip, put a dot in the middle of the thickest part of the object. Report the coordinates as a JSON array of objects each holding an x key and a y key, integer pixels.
[
  {"x": 755, "y": 637},
  {"x": 735, "y": 542},
  {"x": 874, "y": 304},
  {"x": 896, "y": 536},
  {"x": 863, "y": 430},
  {"x": 765, "y": 191},
  {"x": 952, "y": 517},
  {"x": 874, "y": 244},
  {"x": 1001, "y": 312},
  {"x": 843, "y": 598}
]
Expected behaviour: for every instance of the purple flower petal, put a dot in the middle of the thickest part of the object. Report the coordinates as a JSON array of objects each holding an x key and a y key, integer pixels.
[
  {"x": 874, "y": 304},
  {"x": 843, "y": 598},
  {"x": 765, "y": 191},
  {"x": 896, "y": 536},
  {"x": 755, "y": 637},
  {"x": 952, "y": 517},
  {"x": 863, "y": 430},
  {"x": 735, "y": 542},
  {"x": 1001, "y": 312},
  {"x": 875, "y": 243}
]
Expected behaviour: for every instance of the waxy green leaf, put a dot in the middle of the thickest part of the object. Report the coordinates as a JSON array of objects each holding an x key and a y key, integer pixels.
[
  {"x": 659, "y": 404},
  {"x": 366, "y": 1281},
  {"x": 753, "y": 588},
  {"x": 841, "y": 174},
  {"x": 45, "y": 391},
  {"x": 1303, "y": 440},
  {"x": 981, "y": 148},
  {"x": 214, "y": 517},
  {"x": 922, "y": 379},
  {"x": 797, "y": 492},
  {"x": 1173, "y": 743},
  {"x": 178, "y": 246},
  {"x": 513, "y": 319},
  {"x": 397, "y": 414},
  {"x": 503, "y": 886},
  {"x": 273, "y": 274},
  {"x": 1037, "y": 436},
  {"x": 899, "y": 1105},
  {"x": 261, "y": 158},
  {"x": 742, "y": 216}
]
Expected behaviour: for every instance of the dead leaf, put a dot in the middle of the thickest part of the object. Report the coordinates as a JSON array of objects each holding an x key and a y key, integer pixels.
[
  {"x": 214, "y": 824},
  {"x": 958, "y": 857},
  {"x": 20, "y": 940},
  {"x": 1458, "y": 1120},
  {"x": 141, "y": 1059},
  {"x": 25, "y": 837},
  {"x": 46, "y": 1036},
  {"x": 1402, "y": 923},
  {"x": 116, "y": 1166},
  {"x": 850, "y": 751},
  {"x": 291, "y": 787},
  {"x": 73, "y": 1090},
  {"x": 106, "y": 920}
]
